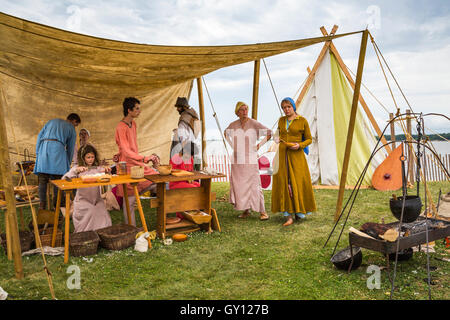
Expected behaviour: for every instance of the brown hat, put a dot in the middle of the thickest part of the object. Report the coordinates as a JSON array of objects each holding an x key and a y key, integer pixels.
[{"x": 182, "y": 102}]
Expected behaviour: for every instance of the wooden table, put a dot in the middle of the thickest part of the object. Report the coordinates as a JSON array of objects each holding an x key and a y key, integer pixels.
[
  {"x": 76, "y": 183},
  {"x": 183, "y": 199}
]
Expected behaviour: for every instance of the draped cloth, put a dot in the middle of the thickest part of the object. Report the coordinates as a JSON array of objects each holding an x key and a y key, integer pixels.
[{"x": 48, "y": 73}]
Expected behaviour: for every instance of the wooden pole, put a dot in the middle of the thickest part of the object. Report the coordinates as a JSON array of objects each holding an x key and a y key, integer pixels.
[
  {"x": 312, "y": 72},
  {"x": 392, "y": 125},
  {"x": 201, "y": 107},
  {"x": 255, "y": 90},
  {"x": 410, "y": 147},
  {"x": 5, "y": 170},
  {"x": 351, "y": 124},
  {"x": 361, "y": 99}
]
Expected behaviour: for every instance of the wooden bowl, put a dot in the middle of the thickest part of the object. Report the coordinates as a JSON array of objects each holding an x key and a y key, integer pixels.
[
  {"x": 165, "y": 170},
  {"x": 172, "y": 220},
  {"x": 179, "y": 237}
]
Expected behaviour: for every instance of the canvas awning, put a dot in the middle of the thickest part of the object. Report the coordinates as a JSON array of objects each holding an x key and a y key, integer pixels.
[{"x": 48, "y": 73}]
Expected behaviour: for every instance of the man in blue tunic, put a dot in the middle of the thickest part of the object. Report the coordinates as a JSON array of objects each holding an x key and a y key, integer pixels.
[{"x": 54, "y": 151}]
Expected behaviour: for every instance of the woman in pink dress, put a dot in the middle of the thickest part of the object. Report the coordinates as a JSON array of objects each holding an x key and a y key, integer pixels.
[
  {"x": 89, "y": 210},
  {"x": 245, "y": 183}
]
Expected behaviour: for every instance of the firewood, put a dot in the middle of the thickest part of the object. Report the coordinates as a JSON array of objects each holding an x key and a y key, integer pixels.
[{"x": 390, "y": 235}]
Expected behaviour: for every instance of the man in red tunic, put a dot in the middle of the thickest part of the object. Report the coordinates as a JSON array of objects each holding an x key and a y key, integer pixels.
[{"x": 126, "y": 139}]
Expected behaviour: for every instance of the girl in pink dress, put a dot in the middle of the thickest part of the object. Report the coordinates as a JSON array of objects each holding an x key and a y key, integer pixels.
[{"x": 89, "y": 210}]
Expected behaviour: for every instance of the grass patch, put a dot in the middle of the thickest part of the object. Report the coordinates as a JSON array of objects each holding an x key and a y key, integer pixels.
[{"x": 250, "y": 259}]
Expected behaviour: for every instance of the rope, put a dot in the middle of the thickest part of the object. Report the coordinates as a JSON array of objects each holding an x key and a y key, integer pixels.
[
  {"x": 215, "y": 117},
  {"x": 273, "y": 89},
  {"x": 33, "y": 214}
]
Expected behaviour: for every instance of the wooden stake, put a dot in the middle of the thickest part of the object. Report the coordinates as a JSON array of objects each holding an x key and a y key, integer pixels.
[
  {"x": 392, "y": 124},
  {"x": 351, "y": 124},
  {"x": 5, "y": 172},
  {"x": 255, "y": 90},
  {"x": 201, "y": 107}
]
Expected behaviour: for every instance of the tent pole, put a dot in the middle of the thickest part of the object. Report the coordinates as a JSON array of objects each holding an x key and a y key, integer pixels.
[
  {"x": 255, "y": 89},
  {"x": 351, "y": 124},
  {"x": 312, "y": 72},
  {"x": 11, "y": 214},
  {"x": 201, "y": 107},
  {"x": 361, "y": 99}
]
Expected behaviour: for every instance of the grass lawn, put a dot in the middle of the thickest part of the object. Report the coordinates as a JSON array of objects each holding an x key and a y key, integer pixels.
[{"x": 249, "y": 259}]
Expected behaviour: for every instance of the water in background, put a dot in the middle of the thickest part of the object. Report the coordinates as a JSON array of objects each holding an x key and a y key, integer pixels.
[{"x": 216, "y": 147}]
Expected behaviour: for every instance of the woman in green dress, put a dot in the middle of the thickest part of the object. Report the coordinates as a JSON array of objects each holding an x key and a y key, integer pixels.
[{"x": 292, "y": 192}]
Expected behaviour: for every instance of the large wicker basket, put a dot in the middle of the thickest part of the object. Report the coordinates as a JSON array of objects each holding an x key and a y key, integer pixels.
[
  {"x": 26, "y": 238},
  {"x": 83, "y": 243},
  {"x": 46, "y": 237},
  {"x": 117, "y": 237}
]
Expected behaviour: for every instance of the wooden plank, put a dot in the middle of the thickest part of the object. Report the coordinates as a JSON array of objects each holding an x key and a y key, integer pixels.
[
  {"x": 185, "y": 199},
  {"x": 77, "y": 183},
  {"x": 351, "y": 124},
  {"x": 154, "y": 203},
  {"x": 157, "y": 178}
]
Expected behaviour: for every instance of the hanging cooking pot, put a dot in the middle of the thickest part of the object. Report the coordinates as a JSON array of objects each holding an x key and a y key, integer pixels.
[{"x": 413, "y": 207}]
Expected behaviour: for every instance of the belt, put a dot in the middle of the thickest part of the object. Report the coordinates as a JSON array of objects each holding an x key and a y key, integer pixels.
[{"x": 65, "y": 147}]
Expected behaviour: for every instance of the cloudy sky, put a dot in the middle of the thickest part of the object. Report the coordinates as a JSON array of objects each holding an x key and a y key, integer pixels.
[{"x": 412, "y": 35}]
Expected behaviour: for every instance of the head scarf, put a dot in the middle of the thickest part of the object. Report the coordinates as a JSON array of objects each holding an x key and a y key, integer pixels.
[
  {"x": 87, "y": 131},
  {"x": 238, "y": 106},
  {"x": 306, "y": 149},
  {"x": 290, "y": 101}
]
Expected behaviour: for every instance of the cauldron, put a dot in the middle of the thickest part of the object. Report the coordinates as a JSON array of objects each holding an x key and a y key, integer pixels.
[
  {"x": 343, "y": 258},
  {"x": 413, "y": 207}
]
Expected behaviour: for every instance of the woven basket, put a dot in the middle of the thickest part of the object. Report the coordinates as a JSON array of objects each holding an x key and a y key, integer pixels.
[
  {"x": 26, "y": 238},
  {"x": 117, "y": 237},
  {"x": 83, "y": 243},
  {"x": 22, "y": 190},
  {"x": 46, "y": 238}
]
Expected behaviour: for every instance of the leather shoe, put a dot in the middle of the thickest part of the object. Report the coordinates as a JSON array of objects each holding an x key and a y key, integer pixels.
[{"x": 288, "y": 222}]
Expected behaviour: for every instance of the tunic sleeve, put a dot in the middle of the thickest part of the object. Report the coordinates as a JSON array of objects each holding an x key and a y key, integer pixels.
[{"x": 72, "y": 173}]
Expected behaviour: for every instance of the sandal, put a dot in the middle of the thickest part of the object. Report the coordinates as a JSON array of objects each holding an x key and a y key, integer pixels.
[
  {"x": 263, "y": 216},
  {"x": 244, "y": 215}
]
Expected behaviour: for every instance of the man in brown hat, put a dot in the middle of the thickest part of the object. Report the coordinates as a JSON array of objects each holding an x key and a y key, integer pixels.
[{"x": 188, "y": 130}]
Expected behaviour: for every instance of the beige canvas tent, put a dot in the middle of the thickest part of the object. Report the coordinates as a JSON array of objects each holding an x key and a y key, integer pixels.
[
  {"x": 325, "y": 101},
  {"x": 47, "y": 73}
]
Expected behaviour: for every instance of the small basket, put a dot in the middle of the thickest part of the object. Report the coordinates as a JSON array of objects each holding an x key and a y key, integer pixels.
[
  {"x": 83, "y": 243},
  {"x": 26, "y": 238},
  {"x": 137, "y": 172},
  {"x": 117, "y": 237},
  {"x": 46, "y": 237},
  {"x": 22, "y": 190}
]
